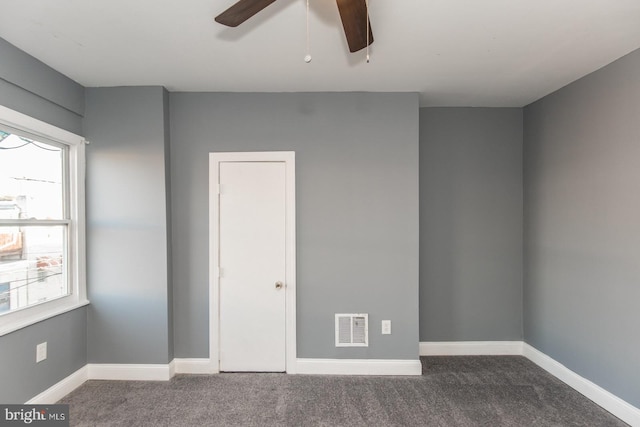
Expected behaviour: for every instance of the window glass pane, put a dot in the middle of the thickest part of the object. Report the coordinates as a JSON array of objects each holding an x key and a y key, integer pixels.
[
  {"x": 31, "y": 178},
  {"x": 32, "y": 266}
]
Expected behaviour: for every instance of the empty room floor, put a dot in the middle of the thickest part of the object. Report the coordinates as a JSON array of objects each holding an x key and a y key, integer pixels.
[{"x": 452, "y": 391}]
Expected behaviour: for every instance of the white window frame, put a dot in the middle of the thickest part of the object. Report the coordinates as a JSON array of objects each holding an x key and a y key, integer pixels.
[{"x": 76, "y": 272}]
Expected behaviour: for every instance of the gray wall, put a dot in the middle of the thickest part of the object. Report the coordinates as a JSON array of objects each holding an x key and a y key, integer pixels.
[
  {"x": 167, "y": 186},
  {"x": 357, "y": 209},
  {"x": 582, "y": 227},
  {"x": 21, "y": 378},
  {"x": 31, "y": 87},
  {"x": 470, "y": 224},
  {"x": 127, "y": 239}
]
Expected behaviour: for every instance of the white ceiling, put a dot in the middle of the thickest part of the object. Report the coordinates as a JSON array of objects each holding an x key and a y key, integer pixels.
[{"x": 454, "y": 52}]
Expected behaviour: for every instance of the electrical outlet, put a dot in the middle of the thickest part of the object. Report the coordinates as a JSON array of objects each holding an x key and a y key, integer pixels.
[
  {"x": 386, "y": 327},
  {"x": 41, "y": 352}
]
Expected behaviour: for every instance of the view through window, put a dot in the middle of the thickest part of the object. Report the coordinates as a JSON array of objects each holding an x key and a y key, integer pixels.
[{"x": 34, "y": 222}]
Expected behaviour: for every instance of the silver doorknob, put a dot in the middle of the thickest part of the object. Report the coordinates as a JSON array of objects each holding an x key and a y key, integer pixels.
[{"x": 279, "y": 285}]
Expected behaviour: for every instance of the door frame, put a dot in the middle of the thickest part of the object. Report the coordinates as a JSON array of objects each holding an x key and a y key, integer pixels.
[{"x": 288, "y": 157}]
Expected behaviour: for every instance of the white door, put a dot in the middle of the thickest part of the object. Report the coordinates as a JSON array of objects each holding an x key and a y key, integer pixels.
[{"x": 252, "y": 266}]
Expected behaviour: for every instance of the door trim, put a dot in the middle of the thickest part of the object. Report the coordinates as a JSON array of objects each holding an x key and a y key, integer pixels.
[{"x": 288, "y": 157}]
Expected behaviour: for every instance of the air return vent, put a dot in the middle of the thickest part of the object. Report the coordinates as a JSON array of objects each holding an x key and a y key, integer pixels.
[{"x": 352, "y": 330}]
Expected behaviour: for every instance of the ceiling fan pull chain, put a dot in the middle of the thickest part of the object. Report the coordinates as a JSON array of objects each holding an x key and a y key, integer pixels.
[
  {"x": 367, "y": 30},
  {"x": 307, "y": 57}
]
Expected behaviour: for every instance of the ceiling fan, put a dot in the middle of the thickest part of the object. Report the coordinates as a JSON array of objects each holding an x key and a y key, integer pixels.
[{"x": 352, "y": 12}]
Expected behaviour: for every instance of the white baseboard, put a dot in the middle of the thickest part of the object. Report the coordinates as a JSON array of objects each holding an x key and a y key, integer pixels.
[
  {"x": 193, "y": 366},
  {"x": 60, "y": 389},
  {"x": 358, "y": 367},
  {"x": 471, "y": 348},
  {"x": 101, "y": 371},
  {"x": 612, "y": 403}
]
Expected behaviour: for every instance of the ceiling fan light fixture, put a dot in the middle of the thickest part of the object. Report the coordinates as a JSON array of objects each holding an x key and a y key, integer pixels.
[{"x": 353, "y": 13}]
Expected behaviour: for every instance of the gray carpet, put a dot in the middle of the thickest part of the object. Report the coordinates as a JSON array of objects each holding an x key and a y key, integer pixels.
[{"x": 453, "y": 391}]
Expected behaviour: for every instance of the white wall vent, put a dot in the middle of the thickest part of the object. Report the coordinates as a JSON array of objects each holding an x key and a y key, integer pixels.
[{"x": 352, "y": 330}]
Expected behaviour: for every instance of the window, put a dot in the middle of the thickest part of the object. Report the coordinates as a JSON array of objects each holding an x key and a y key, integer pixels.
[{"x": 41, "y": 221}]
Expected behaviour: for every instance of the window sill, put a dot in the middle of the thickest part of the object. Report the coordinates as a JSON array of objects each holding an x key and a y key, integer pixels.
[{"x": 17, "y": 325}]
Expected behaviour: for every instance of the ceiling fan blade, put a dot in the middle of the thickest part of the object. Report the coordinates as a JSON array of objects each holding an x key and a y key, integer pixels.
[
  {"x": 241, "y": 11},
  {"x": 354, "y": 20}
]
